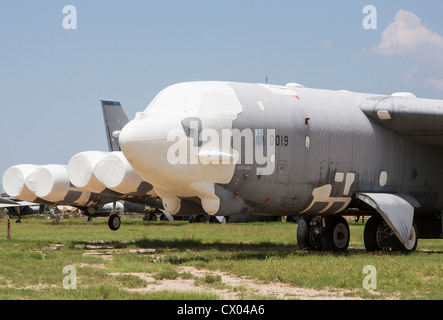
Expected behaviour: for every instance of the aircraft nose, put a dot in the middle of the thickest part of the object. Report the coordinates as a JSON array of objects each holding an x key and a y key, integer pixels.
[
  {"x": 145, "y": 127},
  {"x": 145, "y": 142},
  {"x": 164, "y": 149}
]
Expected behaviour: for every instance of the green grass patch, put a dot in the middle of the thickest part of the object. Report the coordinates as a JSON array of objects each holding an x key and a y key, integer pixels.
[{"x": 31, "y": 264}]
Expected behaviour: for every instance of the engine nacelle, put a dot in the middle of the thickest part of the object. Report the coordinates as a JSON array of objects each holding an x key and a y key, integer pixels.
[
  {"x": 224, "y": 203},
  {"x": 115, "y": 172},
  {"x": 51, "y": 183},
  {"x": 105, "y": 210},
  {"x": 14, "y": 182},
  {"x": 81, "y": 172},
  {"x": 136, "y": 207}
]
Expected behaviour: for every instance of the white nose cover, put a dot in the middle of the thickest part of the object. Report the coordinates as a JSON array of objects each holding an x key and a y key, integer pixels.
[{"x": 156, "y": 153}]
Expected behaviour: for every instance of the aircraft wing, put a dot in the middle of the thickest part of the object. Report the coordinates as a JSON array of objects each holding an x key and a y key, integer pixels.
[
  {"x": 8, "y": 203},
  {"x": 419, "y": 120}
]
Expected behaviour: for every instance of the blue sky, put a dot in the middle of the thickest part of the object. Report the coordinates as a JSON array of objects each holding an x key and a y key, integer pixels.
[{"x": 51, "y": 79}]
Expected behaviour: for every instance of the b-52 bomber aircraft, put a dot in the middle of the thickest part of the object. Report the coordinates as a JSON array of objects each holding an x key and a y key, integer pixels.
[{"x": 225, "y": 148}]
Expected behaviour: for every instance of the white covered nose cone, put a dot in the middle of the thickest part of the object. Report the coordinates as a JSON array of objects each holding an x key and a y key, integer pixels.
[
  {"x": 81, "y": 171},
  {"x": 51, "y": 183},
  {"x": 14, "y": 182},
  {"x": 115, "y": 172}
]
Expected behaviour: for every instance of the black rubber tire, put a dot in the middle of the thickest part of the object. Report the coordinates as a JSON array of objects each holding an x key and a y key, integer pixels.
[
  {"x": 396, "y": 244},
  {"x": 153, "y": 216},
  {"x": 370, "y": 233},
  {"x": 335, "y": 234},
  {"x": 114, "y": 222},
  {"x": 303, "y": 242}
]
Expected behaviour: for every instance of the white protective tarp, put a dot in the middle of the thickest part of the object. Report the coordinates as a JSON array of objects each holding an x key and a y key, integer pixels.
[
  {"x": 14, "y": 182},
  {"x": 81, "y": 171},
  {"x": 115, "y": 172},
  {"x": 51, "y": 183},
  {"x": 395, "y": 210}
]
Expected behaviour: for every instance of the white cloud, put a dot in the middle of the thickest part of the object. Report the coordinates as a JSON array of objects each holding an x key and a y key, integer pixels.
[{"x": 407, "y": 36}]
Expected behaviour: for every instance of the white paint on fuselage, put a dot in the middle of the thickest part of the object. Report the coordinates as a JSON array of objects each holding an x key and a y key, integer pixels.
[
  {"x": 323, "y": 195},
  {"x": 147, "y": 141}
]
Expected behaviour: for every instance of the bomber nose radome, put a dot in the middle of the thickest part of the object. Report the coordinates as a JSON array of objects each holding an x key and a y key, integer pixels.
[
  {"x": 147, "y": 127},
  {"x": 145, "y": 142},
  {"x": 181, "y": 143}
]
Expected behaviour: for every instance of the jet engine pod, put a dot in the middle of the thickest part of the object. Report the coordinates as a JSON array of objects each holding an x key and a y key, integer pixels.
[
  {"x": 115, "y": 172},
  {"x": 14, "y": 182},
  {"x": 188, "y": 207},
  {"x": 80, "y": 171},
  {"x": 217, "y": 201},
  {"x": 51, "y": 183},
  {"x": 230, "y": 203},
  {"x": 214, "y": 200}
]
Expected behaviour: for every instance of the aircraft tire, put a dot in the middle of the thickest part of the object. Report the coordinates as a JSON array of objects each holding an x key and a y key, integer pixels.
[
  {"x": 335, "y": 235},
  {"x": 114, "y": 222},
  {"x": 370, "y": 233},
  {"x": 213, "y": 219},
  {"x": 303, "y": 242},
  {"x": 410, "y": 246}
]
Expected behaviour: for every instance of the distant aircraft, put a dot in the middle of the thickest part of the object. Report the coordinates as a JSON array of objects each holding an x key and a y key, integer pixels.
[
  {"x": 20, "y": 208},
  {"x": 36, "y": 186},
  {"x": 225, "y": 148}
]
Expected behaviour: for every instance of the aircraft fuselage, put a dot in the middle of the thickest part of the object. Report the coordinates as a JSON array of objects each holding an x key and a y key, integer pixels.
[{"x": 252, "y": 148}]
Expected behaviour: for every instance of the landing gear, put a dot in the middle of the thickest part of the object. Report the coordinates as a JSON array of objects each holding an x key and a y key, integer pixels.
[
  {"x": 409, "y": 246},
  {"x": 378, "y": 236},
  {"x": 331, "y": 234},
  {"x": 114, "y": 222},
  {"x": 309, "y": 233},
  {"x": 150, "y": 216},
  {"x": 335, "y": 234},
  {"x": 197, "y": 219}
]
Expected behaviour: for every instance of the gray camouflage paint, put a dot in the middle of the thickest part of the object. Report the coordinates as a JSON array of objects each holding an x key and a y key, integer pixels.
[{"x": 343, "y": 139}]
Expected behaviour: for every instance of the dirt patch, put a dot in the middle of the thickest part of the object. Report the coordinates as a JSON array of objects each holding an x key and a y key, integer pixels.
[
  {"x": 229, "y": 288},
  {"x": 235, "y": 287},
  {"x": 37, "y": 287},
  {"x": 106, "y": 252}
]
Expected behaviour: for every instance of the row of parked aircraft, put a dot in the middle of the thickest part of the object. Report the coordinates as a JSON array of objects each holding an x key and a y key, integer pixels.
[
  {"x": 225, "y": 149},
  {"x": 32, "y": 187},
  {"x": 99, "y": 184}
]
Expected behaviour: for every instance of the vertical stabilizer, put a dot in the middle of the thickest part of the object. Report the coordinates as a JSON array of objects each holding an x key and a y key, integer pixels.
[{"x": 115, "y": 119}]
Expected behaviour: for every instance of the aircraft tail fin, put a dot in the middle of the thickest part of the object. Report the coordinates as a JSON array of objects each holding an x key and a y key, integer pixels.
[{"x": 115, "y": 119}]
